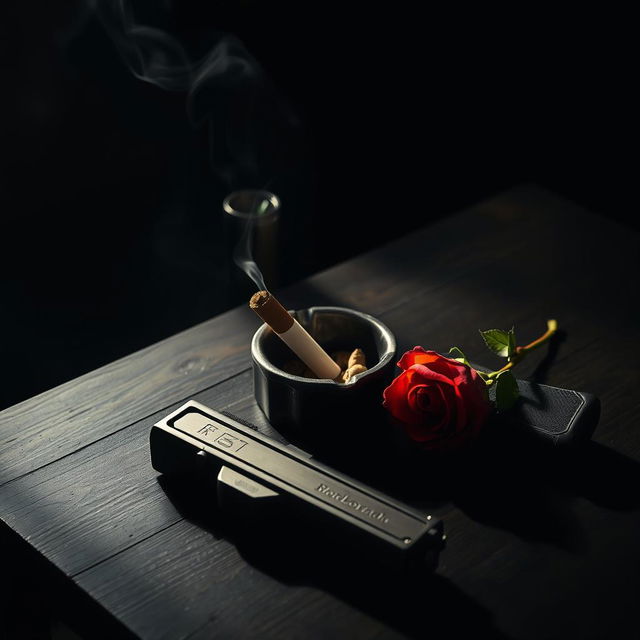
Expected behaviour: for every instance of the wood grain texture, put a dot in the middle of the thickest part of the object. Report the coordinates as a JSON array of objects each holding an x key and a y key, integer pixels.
[
  {"x": 107, "y": 494},
  {"x": 58, "y": 422},
  {"x": 537, "y": 545},
  {"x": 71, "y": 416},
  {"x": 250, "y": 590},
  {"x": 109, "y": 481},
  {"x": 82, "y": 411}
]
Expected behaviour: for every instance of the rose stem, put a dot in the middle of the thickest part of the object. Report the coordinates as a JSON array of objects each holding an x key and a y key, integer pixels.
[{"x": 521, "y": 352}]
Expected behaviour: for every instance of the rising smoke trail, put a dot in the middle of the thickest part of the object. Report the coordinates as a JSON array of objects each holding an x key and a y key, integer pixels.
[{"x": 226, "y": 90}]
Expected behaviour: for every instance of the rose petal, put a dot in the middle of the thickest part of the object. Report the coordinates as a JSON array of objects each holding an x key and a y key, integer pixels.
[
  {"x": 434, "y": 424},
  {"x": 441, "y": 403},
  {"x": 447, "y": 366},
  {"x": 426, "y": 373},
  {"x": 414, "y": 395},
  {"x": 473, "y": 390},
  {"x": 426, "y": 398},
  {"x": 395, "y": 399},
  {"x": 415, "y": 356},
  {"x": 429, "y": 401},
  {"x": 449, "y": 401},
  {"x": 461, "y": 409}
]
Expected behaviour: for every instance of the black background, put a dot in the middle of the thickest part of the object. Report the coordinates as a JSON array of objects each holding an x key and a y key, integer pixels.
[{"x": 367, "y": 123}]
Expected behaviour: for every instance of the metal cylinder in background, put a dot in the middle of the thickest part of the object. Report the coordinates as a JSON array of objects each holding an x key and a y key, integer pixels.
[{"x": 251, "y": 221}]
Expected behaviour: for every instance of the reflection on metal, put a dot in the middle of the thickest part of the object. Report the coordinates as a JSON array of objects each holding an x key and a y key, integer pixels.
[{"x": 251, "y": 221}]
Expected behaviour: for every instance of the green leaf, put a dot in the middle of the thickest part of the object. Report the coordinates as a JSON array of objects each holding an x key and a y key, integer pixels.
[
  {"x": 458, "y": 355},
  {"x": 499, "y": 341},
  {"x": 506, "y": 391}
]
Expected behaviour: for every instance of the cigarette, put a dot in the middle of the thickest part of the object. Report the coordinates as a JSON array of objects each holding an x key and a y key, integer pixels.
[{"x": 291, "y": 332}]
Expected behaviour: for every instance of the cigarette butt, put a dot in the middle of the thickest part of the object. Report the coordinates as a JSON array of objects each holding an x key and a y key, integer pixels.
[
  {"x": 341, "y": 358},
  {"x": 353, "y": 370},
  {"x": 357, "y": 357}
]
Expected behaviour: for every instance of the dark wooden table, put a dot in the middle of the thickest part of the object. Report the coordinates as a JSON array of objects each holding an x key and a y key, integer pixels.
[{"x": 539, "y": 546}]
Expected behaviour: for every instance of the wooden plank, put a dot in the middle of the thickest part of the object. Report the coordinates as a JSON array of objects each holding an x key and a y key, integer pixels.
[
  {"x": 189, "y": 578},
  {"x": 454, "y": 307},
  {"x": 100, "y": 490},
  {"x": 58, "y": 422},
  {"x": 445, "y": 306},
  {"x": 105, "y": 498},
  {"x": 466, "y": 552},
  {"x": 562, "y": 530},
  {"x": 54, "y": 424},
  {"x": 213, "y": 590},
  {"x": 225, "y": 592}
]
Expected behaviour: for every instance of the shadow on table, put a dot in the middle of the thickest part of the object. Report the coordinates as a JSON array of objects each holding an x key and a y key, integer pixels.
[
  {"x": 521, "y": 486},
  {"x": 415, "y": 603},
  {"x": 513, "y": 485},
  {"x": 509, "y": 481}
]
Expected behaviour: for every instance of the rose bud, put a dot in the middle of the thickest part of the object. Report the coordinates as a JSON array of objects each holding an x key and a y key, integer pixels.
[{"x": 440, "y": 403}]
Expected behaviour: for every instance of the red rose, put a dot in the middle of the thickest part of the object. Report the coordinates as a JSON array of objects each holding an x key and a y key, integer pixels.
[{"x": 440, "y": 403}]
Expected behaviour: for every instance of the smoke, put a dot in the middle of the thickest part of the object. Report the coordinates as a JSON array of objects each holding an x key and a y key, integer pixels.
[
  {"x": 227, "y": 92},
  {"x": 150, "y": 53},
  {"x": 257, "y": 212},
  {"x": 243, "y": 255}
]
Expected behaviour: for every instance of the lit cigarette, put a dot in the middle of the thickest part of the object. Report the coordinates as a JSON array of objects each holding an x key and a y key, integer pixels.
[{"x": 292, "y": 333}]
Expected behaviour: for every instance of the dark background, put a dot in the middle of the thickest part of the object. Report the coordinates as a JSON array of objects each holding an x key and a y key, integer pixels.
[{"x": 121, "y": 134}]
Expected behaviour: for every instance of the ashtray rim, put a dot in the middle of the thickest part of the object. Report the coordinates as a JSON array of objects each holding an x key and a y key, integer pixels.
[{"x": 257, "y": 353}]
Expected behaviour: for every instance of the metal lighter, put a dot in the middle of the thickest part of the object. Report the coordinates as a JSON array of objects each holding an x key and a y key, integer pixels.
[{"x": 259, "y": 473}]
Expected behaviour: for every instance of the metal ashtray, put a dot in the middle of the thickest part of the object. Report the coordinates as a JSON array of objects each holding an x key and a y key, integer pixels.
[{"x": 308, "y": 410}]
